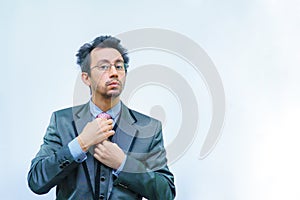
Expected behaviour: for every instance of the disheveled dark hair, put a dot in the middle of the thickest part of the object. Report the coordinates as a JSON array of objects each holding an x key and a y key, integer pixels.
[{"x": 83, "y": 55}]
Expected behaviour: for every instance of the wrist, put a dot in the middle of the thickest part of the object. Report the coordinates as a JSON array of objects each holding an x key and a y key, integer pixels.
[
  {"x": 82, "y": 144},
  {"x": 121, "y": 161}
]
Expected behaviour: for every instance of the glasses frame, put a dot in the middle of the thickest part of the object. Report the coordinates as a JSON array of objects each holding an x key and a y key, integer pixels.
[{"x": 101, "y": 67}]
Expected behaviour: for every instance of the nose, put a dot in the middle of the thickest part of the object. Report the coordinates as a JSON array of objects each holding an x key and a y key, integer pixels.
[{"x": 113, "y": 72}]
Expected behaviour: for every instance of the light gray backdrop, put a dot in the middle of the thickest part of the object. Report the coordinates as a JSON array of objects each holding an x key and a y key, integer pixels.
[{"x": 254, "y": 45}]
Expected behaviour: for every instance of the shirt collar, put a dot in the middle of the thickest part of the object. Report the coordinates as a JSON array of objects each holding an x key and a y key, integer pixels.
[{"x": 114, "y": 112}]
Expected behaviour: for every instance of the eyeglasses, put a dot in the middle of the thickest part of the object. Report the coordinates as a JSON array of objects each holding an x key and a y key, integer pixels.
[{"x": 106, "y": 66}]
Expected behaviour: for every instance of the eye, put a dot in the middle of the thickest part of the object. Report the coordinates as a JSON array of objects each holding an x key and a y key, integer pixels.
[
  {"x": 104, "y": 67},
  {"x": 119, "y": 66}
]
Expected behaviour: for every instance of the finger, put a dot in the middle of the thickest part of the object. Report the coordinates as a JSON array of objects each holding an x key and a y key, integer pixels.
[
  {"x": 108, "y": 127},
  {"x": 104, "y": 121},
  {"x": 109, "y": 121},
  {"x": 115, "y": 145},
  {"x": 109, "y": 133},
  {"x": 99, "y": 150},
  {"x": 105, "y": 135},
  {"x": 100, "y": 121},
  {"x": 97, "y": 156},
  {"x": 105, "y": 127},
  {"x": 97, "y": 145},
  {"x": 101, "y": 147},
  {"x": 96, "y": 149},
  {"x": 106, "y": 142},
  {"x": 101, "y": 153}
]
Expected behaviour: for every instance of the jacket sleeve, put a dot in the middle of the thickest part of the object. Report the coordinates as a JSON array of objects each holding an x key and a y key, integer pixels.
[
  {"x": 52, "y": 163},
  {"x": 149, "y": 177}
]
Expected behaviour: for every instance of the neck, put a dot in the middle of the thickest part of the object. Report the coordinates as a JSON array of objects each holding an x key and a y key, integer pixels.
[{"x": 105, "y": 103}]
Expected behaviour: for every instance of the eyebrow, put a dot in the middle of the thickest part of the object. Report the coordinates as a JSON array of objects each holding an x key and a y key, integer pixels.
[{"x": 107, "y": 61}]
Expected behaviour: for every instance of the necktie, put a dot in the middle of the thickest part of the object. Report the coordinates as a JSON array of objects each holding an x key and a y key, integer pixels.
[{"x": 104, "y": 115}]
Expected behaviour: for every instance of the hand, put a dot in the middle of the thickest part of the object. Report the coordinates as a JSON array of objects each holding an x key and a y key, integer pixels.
[
  {"x": 109, "y": 154},
  {"x": 95, "y": 132}
]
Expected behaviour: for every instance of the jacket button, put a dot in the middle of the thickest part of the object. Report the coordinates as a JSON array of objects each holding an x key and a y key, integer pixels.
[
  {"x": 67, "y": 162},
  {"x": 102, "y": 178},
  {"x": 101, "y": 196}
]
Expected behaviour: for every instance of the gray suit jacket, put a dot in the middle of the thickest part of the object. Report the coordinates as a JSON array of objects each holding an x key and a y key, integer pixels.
[{"x": 145, "y": 173}]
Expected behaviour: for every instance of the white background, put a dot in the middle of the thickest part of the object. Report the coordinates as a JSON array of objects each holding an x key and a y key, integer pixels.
[{"x": 254, "y": 44}]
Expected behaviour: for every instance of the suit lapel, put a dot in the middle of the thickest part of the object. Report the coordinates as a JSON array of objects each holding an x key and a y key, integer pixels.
[
  {"x": 81, "y": 116},
  {"x": 125, "y": 131}
]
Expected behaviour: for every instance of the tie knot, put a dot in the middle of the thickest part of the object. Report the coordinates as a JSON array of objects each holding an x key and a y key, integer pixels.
[{"x": 104, "y": 115}]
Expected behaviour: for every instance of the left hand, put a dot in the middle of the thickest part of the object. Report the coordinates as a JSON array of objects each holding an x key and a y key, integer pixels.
[{"x": 109, "y": 154}]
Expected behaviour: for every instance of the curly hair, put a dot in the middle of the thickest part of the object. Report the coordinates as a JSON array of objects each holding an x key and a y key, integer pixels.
[{"x": 83, "y": 55}]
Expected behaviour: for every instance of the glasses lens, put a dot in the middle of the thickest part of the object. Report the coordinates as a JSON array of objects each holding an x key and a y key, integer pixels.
[{"x": 119, "y": 66}]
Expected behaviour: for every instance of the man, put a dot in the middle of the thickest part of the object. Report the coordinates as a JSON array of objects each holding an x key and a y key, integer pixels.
[{"x": 102, "y": 149}]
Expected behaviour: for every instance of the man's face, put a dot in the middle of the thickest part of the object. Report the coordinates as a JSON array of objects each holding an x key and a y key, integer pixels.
[{"x": 106, "y": 83}]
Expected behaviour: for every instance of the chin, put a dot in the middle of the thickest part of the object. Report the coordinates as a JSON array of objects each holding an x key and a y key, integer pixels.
[{"x": 113, "y": 94}]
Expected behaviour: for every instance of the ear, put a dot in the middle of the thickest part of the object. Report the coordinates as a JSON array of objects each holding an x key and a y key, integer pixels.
[{"x": 85, "y": 78}]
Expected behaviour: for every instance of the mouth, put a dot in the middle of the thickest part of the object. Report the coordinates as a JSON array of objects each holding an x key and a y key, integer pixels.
[{"x": 113, "y": 83}]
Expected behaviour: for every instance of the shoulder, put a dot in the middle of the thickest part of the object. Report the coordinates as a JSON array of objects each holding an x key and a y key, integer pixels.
[
  {"x": 139, "y": 115},
  {"x": 135, "y": 115},
  {"x": 69, "y": 111},
  {"x": 142, "y": 119}
]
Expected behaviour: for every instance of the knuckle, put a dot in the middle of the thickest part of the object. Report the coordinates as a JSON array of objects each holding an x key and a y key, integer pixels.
[{"x": 102, "y": 155}]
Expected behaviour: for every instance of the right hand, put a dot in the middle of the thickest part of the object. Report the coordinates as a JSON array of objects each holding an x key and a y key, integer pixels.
[{"x": 95, "y": 132}]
